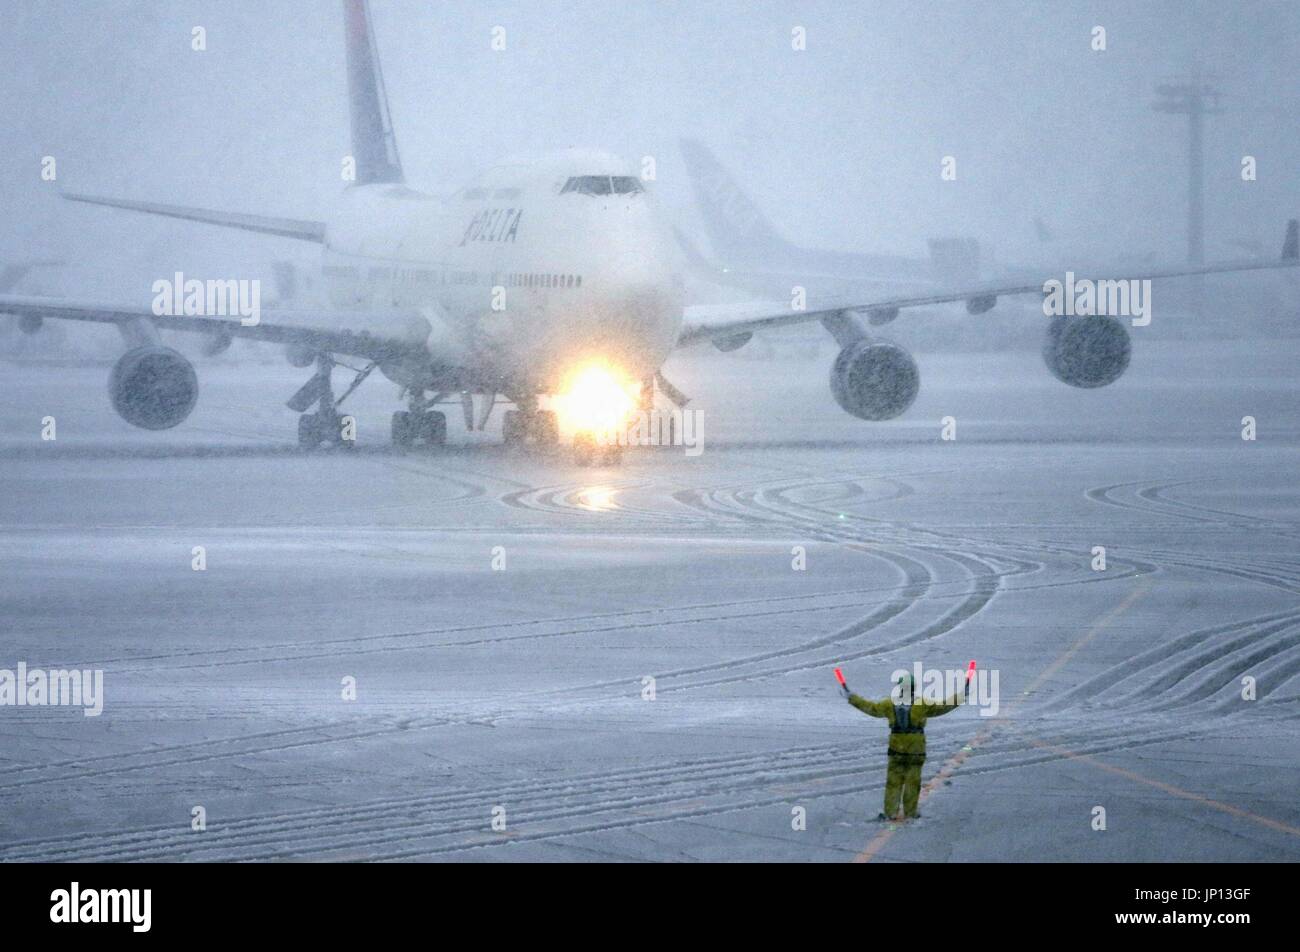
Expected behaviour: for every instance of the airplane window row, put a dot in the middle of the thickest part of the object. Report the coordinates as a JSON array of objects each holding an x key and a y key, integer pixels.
[
  {"x": 603, "y": 185},
  {"x": 522, "y": 280}
]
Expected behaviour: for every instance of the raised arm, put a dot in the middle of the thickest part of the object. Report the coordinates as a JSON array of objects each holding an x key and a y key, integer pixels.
[
  {"x": 870, "y": 708},
  {"x": 938, "y": 710}
]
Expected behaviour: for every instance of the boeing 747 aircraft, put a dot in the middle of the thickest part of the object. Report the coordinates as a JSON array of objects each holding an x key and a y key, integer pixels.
[{"x": 547, "y": 278}]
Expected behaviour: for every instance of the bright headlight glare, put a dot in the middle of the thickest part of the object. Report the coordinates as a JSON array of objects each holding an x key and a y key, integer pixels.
[{"x": 596, "y": 398}]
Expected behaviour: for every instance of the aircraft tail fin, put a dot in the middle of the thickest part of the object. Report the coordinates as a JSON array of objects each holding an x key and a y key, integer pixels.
[
  {"x": 374, "y": 143},
  {"x": 738, "y": 231},
  {"x": 696, "y": 261}
]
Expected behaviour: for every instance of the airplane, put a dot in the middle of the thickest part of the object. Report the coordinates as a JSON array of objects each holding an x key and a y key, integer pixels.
[
  {"x": 11, "y": 274},
  {"x": 549, "y": 277},
  {"x": 750, "y": 253}
]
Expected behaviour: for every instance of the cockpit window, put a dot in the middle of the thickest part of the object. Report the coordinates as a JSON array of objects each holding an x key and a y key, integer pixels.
[
  {"x": 588, "y": 185},
  {"x": 603, "y": 185}
]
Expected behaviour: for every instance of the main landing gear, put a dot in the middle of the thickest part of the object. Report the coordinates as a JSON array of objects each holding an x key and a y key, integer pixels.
[
  {"x": 326, "y": 425},
  {"x": 529, "y": 425},
  {"x": 317, "y": 428},
  {"x": 419, "y": 425}
]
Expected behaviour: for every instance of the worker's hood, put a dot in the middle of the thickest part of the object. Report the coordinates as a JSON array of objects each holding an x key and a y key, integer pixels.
[{"x": 902, "y": 691}]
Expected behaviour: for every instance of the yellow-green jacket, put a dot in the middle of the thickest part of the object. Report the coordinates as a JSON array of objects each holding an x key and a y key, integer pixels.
[{"x": 908, "y": 745}]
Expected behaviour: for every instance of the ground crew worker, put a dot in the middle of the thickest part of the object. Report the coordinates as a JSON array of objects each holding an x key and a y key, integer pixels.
[{"x": 906, "y": 742}]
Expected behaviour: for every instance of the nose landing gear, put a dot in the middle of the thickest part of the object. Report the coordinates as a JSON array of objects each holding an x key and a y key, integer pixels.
[
  {"x": 528, "y": 426},
  {"x": 587, "y": 452}
]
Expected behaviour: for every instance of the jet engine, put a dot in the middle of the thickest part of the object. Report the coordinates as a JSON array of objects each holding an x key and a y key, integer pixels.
[
  {"x": 299, "y": 356},
  {"x": 874, "y": 380},
  {"x": 1090, "y": 351},
  {"x": 216, "y": 344},
  {"x": 153, "y": 387}
]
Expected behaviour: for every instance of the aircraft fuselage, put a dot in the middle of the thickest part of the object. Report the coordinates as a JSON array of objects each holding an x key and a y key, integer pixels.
[{"x": 511, "y": 280}]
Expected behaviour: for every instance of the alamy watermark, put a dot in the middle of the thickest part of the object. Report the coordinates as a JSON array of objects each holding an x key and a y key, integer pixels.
[
  {"x": 1122, "y": 297},
  {"x": 655, "y": 427},
  {"x": 38, "y": 687},
  {"x": 189, "y": 297},
  {"x": 940, "y": 685},
  {"x": 127, "y": 906}
]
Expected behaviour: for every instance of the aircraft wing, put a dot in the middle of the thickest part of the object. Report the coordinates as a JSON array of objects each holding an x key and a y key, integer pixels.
[
  {"x": 322, "y": 331},
  {"x": 264, "y": 224},
  {"x": 730, "y": 325},
  {"x": 11, "y": 274}
]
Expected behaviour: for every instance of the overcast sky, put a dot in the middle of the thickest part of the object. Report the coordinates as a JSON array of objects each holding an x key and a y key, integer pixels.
[{"x": 840, "y": 143}]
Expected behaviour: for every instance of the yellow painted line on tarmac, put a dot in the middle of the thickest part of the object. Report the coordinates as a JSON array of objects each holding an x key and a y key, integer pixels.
[{"x": 1167, "y": 787}]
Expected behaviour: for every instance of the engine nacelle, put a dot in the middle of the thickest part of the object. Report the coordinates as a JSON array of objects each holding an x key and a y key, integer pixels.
[
  {"x": 216, "y": 344},
  {"x": 874, "y": 380},
  {"x": 1087, "y": 352},
  {"x": 299, "y": 356},
  {"x": 728, "y": 344},
  {"x": 153, "y": 387},
  {"x": 30, "y": 323}
]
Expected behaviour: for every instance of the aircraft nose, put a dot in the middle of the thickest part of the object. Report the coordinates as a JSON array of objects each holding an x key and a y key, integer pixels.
[
  {"x": 645, "y": 299},
  {"x": 629, "y": 315},
  {"x": 637, "y": 275}
]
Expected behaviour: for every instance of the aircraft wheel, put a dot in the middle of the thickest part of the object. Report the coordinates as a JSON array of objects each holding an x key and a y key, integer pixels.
[
  {"x": 546, "y": 428},
  {"x": 432, "y": 427},
  {"x": 403, "y": 432},
  {"x": 514, "y": 427},
  {"x": 309, "y": 435},
  {"x": 330, "y": 429}
]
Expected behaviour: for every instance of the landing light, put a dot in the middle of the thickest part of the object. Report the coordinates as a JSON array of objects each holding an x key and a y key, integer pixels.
[{"x": 596, "y": 399}]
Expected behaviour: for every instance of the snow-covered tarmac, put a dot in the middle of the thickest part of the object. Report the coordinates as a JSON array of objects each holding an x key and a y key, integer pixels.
[{"x": 519, "y": 693}]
